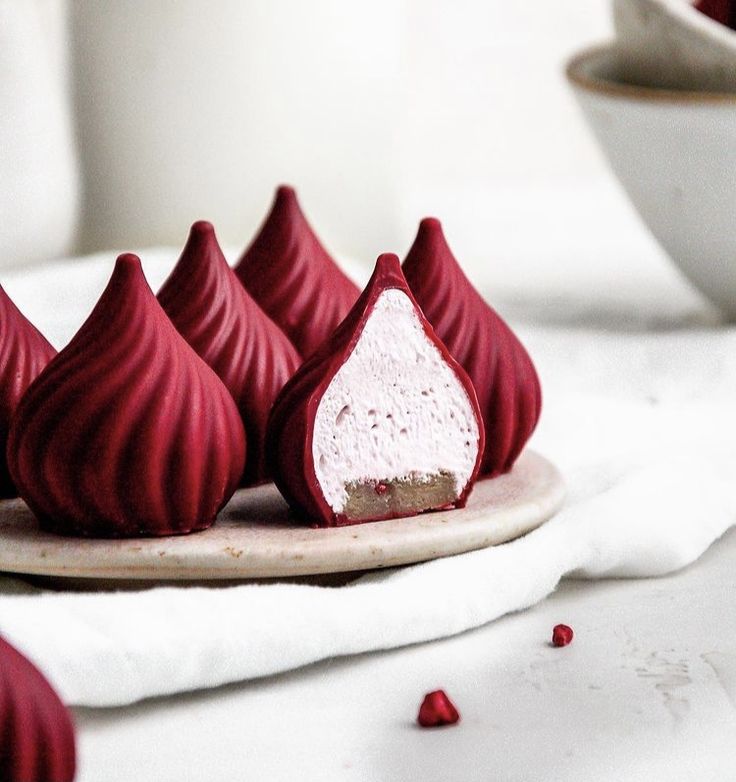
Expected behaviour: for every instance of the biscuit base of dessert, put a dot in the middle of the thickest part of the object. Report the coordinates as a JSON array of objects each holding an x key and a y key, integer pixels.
[{"x": 395, "y": 497}]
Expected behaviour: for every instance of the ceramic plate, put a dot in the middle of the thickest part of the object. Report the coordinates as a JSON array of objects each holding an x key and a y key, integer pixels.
[{"x": 255, "y": 537}]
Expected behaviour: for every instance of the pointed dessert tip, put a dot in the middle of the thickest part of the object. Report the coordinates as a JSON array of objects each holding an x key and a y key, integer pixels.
[
  {"x": 201, "y": 239},
  {"x": 387, "y": 273},
  {"x": 127, "y": 261},
  {"x": 388, "y": 262},
  {"x": 429, "y": 253},
  {"x": 128, "y": 272},
  {"x": 202, "y": 229},
  {"x": 285, "y": 208},
  {"x": 285, "y": 201},
  {"x": 430, "y": 225},
  {"x": 286, "y": 193},
  {"x": 430, "y": 237}
]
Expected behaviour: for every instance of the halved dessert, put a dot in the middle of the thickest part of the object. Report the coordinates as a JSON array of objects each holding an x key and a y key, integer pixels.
[{"x": 381, "y": 422}]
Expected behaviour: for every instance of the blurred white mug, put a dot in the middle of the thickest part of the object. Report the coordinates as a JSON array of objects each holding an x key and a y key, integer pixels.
[
  {"x": 39, "y": 188},
  {"x": 189, "y": 109}
]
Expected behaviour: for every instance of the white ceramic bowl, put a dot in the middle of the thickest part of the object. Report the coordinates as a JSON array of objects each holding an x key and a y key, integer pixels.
[
  {"x": 675, "y": 154},
  {"x": 668, "y": 43}
]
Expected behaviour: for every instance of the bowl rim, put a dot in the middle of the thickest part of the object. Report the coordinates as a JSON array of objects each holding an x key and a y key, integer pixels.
[
  {"x": 687, "y": 15},
  {"x": 578, "y": 75}
]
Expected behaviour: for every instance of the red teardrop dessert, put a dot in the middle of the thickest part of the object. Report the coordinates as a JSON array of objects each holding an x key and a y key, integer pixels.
[
  {"x": 290, "y": 274},
  {"x": 127, "y": 431},
  {"x": 504, "y": 377},
  {"x": 36, "y": 730},
  {"x": 24, "y": 352},
  {"x": 381, "y": 422},
  {"x": 222, "y": 322}
]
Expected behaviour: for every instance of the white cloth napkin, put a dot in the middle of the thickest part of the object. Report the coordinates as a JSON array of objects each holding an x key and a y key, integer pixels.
[{"x": 639, "y": 413}]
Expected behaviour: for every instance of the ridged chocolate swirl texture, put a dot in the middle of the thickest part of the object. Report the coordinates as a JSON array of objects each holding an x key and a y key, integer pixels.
[
  {"x": 291, "y": 426},
  {"x": 222, "y": 322},
  {"x": 290, "y": 274},
  {"x": 24, "y": 352},
  {"x": 36, "y": 729},
  {"x": 502, "y": 372},
  {"x": 127, "y": 431}
]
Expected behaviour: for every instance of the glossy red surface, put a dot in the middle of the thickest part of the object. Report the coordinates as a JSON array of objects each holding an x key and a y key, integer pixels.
[
  {"x": 502, "y": 372},
  {"x": 223, "y": 323},
  {"x": 290, "y": 274},
  {"x": 36, "y": 730},
  {"x": 437, "y": 710},
  {"x": 562, "y": 635},
  {"x": 291, "y": 427},
  {"x": 127, "y": 431},
  {"x": 24, "y": 352}
]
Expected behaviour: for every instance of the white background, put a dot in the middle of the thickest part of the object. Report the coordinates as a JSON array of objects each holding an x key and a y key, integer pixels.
[{"x": 378, "y": 112}]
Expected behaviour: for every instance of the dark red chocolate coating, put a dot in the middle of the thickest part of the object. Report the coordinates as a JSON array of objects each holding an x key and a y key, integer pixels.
[
  {"x": 223, "y": 323},
  {"x": 36, "y": 729},
  {"x": 127, "y": 431},
  {"x": 502, "y": 372},
  {"x": 291, "y": 427},
  {"x": 24, "y": 352},
  {"x": 723, "y": 11},
  {"x": 290, "y": 274}
]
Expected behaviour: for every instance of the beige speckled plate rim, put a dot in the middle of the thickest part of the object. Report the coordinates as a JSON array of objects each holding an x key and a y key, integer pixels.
[{"x": 239, "y": 548}]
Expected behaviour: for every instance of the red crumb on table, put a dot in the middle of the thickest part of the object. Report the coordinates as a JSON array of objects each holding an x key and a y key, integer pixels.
[
  {"x": 436, "y": 710},
  {"x": 561, "y": 635}
]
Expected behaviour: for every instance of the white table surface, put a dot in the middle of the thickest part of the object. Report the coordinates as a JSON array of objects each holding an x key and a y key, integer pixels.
[{"x": 646, "y": 691}]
